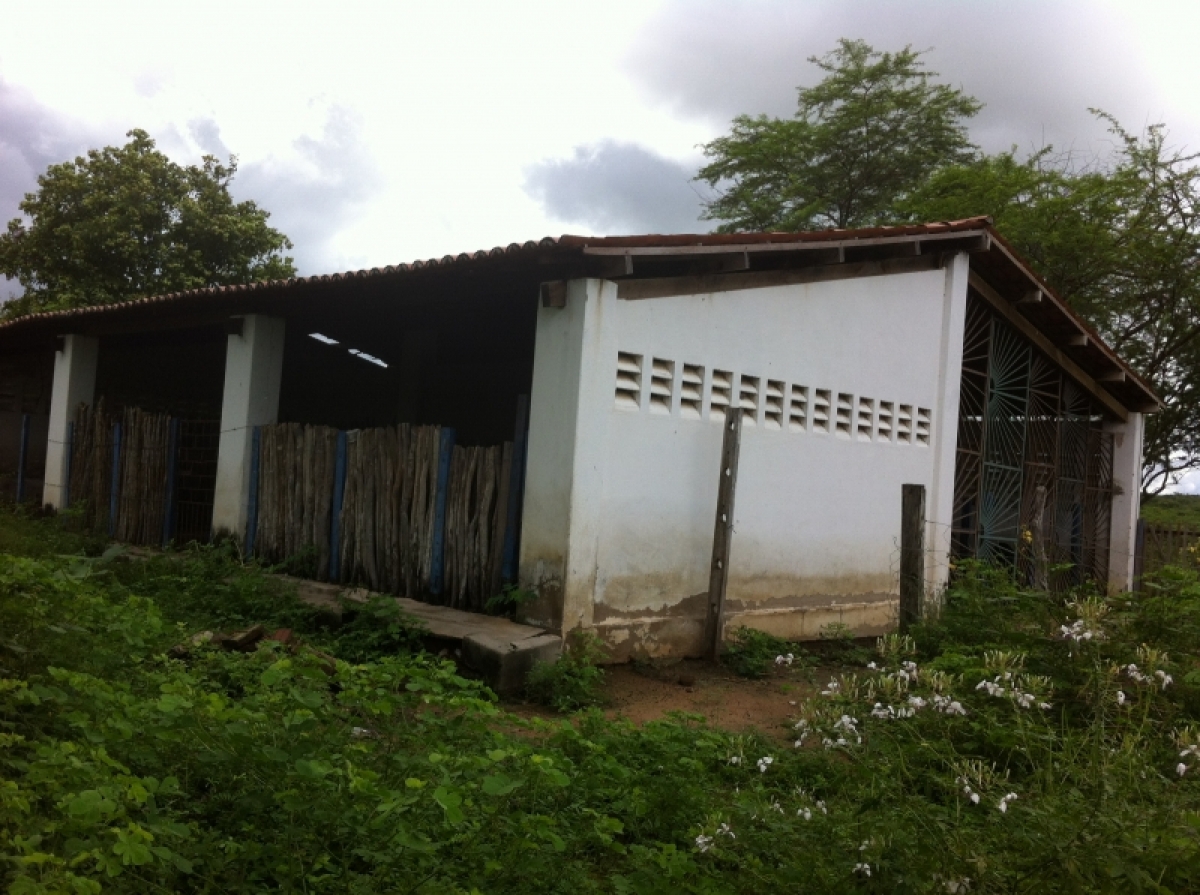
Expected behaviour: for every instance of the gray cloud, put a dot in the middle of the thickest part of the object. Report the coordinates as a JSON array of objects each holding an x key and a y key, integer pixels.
[
  {"x": 32, "y": 138},
  {"x": 1037, "y": 65},
  {"x": 310, "y": 200},
  {"x": 613, "y": 187}
]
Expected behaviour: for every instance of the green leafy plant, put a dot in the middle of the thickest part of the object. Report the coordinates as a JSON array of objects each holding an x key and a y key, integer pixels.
[
  {"x": 753, "y": 653},
  {"x": 509, "y": 601},
  {"x": 573, "y": 681}
]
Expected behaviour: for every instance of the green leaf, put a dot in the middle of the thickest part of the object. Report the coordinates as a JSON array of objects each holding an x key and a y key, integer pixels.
[{"x": 499, "y": 785}]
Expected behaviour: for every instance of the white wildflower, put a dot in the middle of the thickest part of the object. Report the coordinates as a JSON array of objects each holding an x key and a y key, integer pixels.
[
  {"x": 1164, "y": 677},
  {"x": 821, "y": 805},
  {"x": 1120, "y": 697},
  {"x": 723, "y": 830},
  {"x": 765, "y": 762},
  {"x": 1181, "y": 769},
  {"x": 864, "y": 869},
  {"x": 832, "y": 689},
  {"x": 704, "y": 843},
  {"x": 806, "y": 813},
  {"x": 872, "y": 666},
  {"x": 784, "y": 660},
  {"x": 1011, "y": 797},
  {"x": 735, "y": 759},
  {"x": 917, "y": 702}
]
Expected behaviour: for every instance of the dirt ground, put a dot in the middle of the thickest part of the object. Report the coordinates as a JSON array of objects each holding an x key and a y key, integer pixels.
[{"x": 644, "y": 692}]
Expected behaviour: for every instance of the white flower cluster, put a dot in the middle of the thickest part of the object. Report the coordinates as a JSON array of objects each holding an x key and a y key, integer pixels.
[
  {"x": 704, "y": 843},
  {"x": 833, "y": 688},
  {"x": 1188, "y": 751},
  {"x": 1079, "y": 631},
  {"x": 864, "y": 869},
  {"x": 765, "y": 762},
  {"x": 735, "y": 759},
  {"x": 1013, "y": 691},
  {"x": 971, "y": 795},
  {"x": 910, "y": 708},
  {"x": 1011, "y": 797},
  {"x": 785, "y": 660},
  {"x": 947, "y": 706},
  {"x": 1135, "y": 674},
  {"x": 844, "y": 727}
]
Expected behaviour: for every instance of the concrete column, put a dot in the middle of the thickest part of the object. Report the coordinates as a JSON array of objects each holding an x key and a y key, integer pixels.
[
  {"x": 253, "y": 372},
  {"x": 1127, "y": 499},
  {"x": 74, "y": 384},
  {"x": 564, "y": 471},
  {"x": 939, "y": 507}
]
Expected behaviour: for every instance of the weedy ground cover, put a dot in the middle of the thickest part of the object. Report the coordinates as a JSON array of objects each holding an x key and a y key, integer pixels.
[{"x": 1020, "y": 743}]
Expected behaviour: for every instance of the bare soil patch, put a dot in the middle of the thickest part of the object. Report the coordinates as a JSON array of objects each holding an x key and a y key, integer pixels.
[{"x": 642, "y": 692}]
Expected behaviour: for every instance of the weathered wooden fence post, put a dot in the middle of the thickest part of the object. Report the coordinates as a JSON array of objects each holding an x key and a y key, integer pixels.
[
  {"x": 252, "y": 496},
  {"x": 912, "y": 554},
  {"x": 22, "y": 458},
  {"x": 171, "y": 501},
  {"x": 718, "y": 576},
  {"x": 437, "y": 563},
  {"x": 114, "y": 491},
  {"x": 339, "y": 497},
  {"x": 516, "y": 491},
  {"x": 70, "y": 447}
]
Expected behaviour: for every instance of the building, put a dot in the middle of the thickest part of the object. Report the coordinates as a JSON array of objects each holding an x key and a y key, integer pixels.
[{"x": 859, "y": 361}]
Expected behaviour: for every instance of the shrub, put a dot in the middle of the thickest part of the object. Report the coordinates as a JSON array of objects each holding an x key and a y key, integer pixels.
[
  {"x": 753, "y": 653},
  {"x": 573, "y": 681}
]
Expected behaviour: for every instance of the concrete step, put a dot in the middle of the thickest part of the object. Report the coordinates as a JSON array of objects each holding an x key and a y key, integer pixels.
[{"x": 501, "y": 650}]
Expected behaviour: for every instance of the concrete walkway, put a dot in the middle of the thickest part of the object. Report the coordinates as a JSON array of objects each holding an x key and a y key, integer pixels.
[{"x": 501, "y": 650}]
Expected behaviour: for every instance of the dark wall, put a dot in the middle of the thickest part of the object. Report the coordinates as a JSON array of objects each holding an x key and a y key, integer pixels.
[
  {"x": 180, "y": 373},
  {"x": 458, "y": 361}
]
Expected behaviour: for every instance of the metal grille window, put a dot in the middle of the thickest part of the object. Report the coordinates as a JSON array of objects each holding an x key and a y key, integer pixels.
[{"x": 1033, "y": 476}]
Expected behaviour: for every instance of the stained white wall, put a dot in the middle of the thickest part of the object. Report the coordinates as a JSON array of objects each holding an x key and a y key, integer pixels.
[
  {"x": 1127, "y": 499},
  {"x": 818, "y": 512}
]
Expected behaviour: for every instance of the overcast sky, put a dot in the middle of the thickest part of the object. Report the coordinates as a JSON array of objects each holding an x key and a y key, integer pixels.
[{"x": 380, "y": 132}]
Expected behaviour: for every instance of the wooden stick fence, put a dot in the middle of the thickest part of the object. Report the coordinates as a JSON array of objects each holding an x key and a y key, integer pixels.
[
  {"x": 119, "y": 471},
  {"x": 1172, "y": 544},
  {"x": 392, "y": 482}
]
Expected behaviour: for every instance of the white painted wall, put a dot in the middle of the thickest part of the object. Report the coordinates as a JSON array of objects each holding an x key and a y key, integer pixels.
[
  {"x": 74, "y": 384},
  {"x": 253, "y": 371},
  {"x": 1127, "y": 499},
  {"x": 628, "y": 541}
]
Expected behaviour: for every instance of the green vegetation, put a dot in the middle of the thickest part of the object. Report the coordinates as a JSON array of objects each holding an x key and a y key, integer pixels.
[
  {"x": 573, "y": 681},
  {"x": 1021, "y": 743},
  {"x": 1173, "y": 509},
  {"x": 755, "y": 654},
  {"x": 125, "y": 221}
]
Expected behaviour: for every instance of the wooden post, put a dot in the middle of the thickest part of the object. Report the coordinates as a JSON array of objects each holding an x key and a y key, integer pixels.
[
  {"x": 502, "y": 501},
  {"x": 171, "y": 503},
  {"x": 339, "y": 497},
  {"x": 70, "y": 446},
  {"x": 437, "y": 561},
  {"x": 252, "y": 488},
  {"x": 22, "y": 456},
  {"x": 718, "y": 575},
  {"x": 912, "y": 554},
  {"x": 114, "y": 490},
  {"x": 516, "y": 491},
  {"x": 1139, "y": 553}
]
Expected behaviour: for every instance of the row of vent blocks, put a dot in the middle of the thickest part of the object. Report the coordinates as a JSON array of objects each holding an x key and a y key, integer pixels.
[{"x": 873, "y": 421}]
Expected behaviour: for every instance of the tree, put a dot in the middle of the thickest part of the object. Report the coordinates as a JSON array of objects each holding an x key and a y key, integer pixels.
[
  {"x": 874, "y": 129},
  {"x": 126, "y": 221},
  {"x": 1119, "y": 239}
]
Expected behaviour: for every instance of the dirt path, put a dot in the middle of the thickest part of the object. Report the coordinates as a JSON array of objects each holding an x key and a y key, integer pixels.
[{"x": 644, "y": 693}]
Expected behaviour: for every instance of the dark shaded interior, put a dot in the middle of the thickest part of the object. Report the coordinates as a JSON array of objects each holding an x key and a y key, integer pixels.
[
  {"x": 180, "y": 372},
  {"x": 458, "y": 360}
]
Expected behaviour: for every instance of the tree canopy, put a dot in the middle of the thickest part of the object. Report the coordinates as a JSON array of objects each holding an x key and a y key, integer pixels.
[
  {"x": 1119, "y": 239},
  {"x": 123, "y": 222},
  {"x": 876, "y": 127}
]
